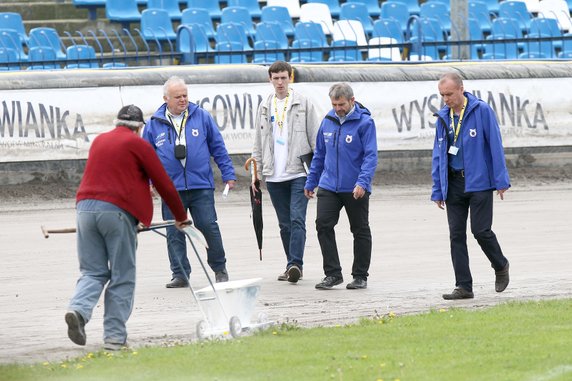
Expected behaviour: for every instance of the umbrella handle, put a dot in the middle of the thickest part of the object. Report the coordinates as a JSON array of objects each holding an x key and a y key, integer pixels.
[{"x": 246, "y": 167}]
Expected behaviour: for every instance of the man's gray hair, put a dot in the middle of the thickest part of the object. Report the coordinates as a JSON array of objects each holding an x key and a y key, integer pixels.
[
  {"x": 172, "y": 81},
  {"x": 455, "y": 77},
  {"x": 341, "y": 90}
]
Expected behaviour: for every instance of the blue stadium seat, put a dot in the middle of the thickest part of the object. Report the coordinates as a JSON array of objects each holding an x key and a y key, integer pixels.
[
  {"x": 541, "y": 25},
  {"x": 492, "y": 5},
  {"x": 388, "y": 28},
  {"x": 191, "y": 39},
  {"x": 123, "y": 12},
  {"x": 444, "y": 2},
  {"x": 397, "y": 11},
  {"x": 508, "y": 28},
  {"x": 91, "y": 6},
  {"x": 516, "y": 10},
  {"x": 422, "y": 51},
  {"x": 431, "y": 29},
  {"x": 224, "y": 55},
  {"x": 359, "y": 12},
  {"x": 538, "y": 46},
  {"x": 171, "y": 6},
  {"x": 156, "y": 25},
  {"x": 310, "y": 30},
  {"x": 252, "y": 5},
  {"x": 13, "y": 20},
  {"x": 479, "y": 11},
  {"x": 377, "y": 50},
  {"x": 43, "y": 58},
  {"x": 212, "y": 6},
  {"x": 476, "y": 48},
  {"x": 265, "y": 52},
  {"x": 280, "y": 15},
  {"x": 333, "y": 5},
  {"x": 271, "y": 31},
  {"x": 372, "y": 6},
  {"x": 8, "y": 59},
  {"x": 412, "y": 5},
  {"x": 438, "y": 11},
  {"x": 498, "y": 48},
  {"x": 566, "y": 51},
  {"x": 199, "y": 16},
  {"x": 344, "y": 51},
  {"x": 81, "y": 57},
  {"x": 238, "y": 15},
  {"x": 232, "y": 32},
  {"x": 313, "y": 54},
  {"x": 10, "y": 38},
  {"x": 46, "y": 37}
]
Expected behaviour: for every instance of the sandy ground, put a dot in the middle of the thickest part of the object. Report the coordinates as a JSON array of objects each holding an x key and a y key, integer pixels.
[{"x": 410, "y": 266}]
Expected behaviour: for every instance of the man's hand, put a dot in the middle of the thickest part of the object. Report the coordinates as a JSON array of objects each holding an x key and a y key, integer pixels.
[
  {"x": 181, "y": 224},
  {"x": 231, "y": 183},
  {"x": 308, "y": 193},
  {"x": 500, "y": 192},
  {"x": 358, "y": 192},
  {"x": 440, "y": 204}
]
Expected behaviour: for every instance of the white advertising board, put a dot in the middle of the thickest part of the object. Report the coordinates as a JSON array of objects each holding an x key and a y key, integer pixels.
[{"x": 57, "y": 124}]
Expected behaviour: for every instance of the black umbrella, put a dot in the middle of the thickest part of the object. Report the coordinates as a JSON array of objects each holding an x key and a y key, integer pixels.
[{"x": 255, "y": 202}]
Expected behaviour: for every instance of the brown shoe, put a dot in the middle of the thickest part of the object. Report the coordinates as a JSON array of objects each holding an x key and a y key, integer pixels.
[
  {"x": 294, "y": 274},
  {"x": 284, "y": 276},
  {"x": 459, "y": 293},
  {"x": 502, "y": 279}
]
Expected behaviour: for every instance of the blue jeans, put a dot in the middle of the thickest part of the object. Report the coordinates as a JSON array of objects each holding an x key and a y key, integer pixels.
[
  {"x": 106, "y": 245},
  {"x": 290, "y": 204},
  {"x": 201, "y": 204}
]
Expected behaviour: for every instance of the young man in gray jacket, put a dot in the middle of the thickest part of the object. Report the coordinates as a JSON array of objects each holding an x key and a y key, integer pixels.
[{"x": 286, "y": 128}]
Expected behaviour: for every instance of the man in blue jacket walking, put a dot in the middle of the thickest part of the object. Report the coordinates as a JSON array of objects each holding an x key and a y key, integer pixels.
[
  {"x": 185, "y": 137},
  {"x": 343, "y": 167},
  {"x": 468, "y": 165}
]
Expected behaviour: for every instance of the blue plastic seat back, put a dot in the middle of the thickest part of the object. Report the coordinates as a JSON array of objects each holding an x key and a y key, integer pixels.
[
  {"x": 213, "y": 6},
  {"x": 419, "y": 47},
  {"x": 10, "y": 38},
  {"x": 516, "y": 10},
  {"x": 540, "y": 45},
  {"x": 47, "y": 37},
  {"x": 388, "y": 28},
  {"x": 412, "y": 5},
  {"x": 156, "y": 25},
  {"x": 499, "y": 48},
  {"x": 13, "y": 20},
  {"x": 541, "y": 25},
  {"x": 438, "y": 11},
  {"x": 372, "y": 6},
  {"x": 313, "y": 54},
  {"x": 271, "y": 31},
  {"x": 344, "y": 51},
  {"x": 171, "y": 6},
  {"x": 310, "y": 30},
  {"x": 81, "y": 57},
  {"x": 199, "y": 16},
  {"x": 8, "y": 59},
  {"x": 278, "y": 14},
  {"x": 252, "y": 5},
  {"x": 227, "y": 47},
  {"x": 265, "y": 52},
  {"x": 479, "y": 11},
  {"x": 192, "y": 38},
  {"x": 357, "y": 11},
  {"x": 238, "y": 15},
  {"x": 43, "y": 58},
  {"x": 397, "y": 11},
  {"x": 231, "y": 32}
]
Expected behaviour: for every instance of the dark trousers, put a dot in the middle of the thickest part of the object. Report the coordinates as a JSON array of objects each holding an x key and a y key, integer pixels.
[
  {"x": 480, "y": 204},
  {"x": 328, "y": 215}
]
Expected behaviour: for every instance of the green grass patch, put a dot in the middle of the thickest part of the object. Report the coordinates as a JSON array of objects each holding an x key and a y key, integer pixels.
[{"x": 514, "y": 341}]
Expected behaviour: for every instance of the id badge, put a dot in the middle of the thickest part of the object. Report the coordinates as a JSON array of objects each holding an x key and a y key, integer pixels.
[
  {"x": 453, "y": 150},
  {"x": 280, "y": 141}
]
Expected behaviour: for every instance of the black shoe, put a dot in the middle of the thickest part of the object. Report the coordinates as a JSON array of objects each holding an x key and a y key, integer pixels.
[
  {"x": 177, "y": 283},
  {"x": 294, "y": 274},
  {"x": 356, "y": 284},
  {"x": 459, "y": 293},
  {"x": 284, "y": 276},
  {"x": 329, "y": 282},
  {"x": 221, "y": 276},
  {"x": 76, "y": 327},
  {"x": 502, "y": 279}
]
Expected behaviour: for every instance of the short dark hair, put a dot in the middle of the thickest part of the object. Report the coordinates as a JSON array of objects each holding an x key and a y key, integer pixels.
[{"x": 278, "y": 67}]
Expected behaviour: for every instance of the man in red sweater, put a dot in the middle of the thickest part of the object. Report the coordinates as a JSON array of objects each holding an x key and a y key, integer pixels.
[{"x": 113, "y": 198}]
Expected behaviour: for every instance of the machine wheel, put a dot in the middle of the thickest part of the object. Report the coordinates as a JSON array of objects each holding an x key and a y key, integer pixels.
[
  {"x": 235, "y": 326},
  {"x": 202, "y": 327}
]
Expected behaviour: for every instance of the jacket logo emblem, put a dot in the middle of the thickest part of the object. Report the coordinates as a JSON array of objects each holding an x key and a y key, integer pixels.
[
  {"x": 195, "y": 132},
  {"x": 349, "y": 139},
  {"x": 472, "y": 132}
]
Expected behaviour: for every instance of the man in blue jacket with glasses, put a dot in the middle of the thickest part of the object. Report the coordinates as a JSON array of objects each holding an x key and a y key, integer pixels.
[
  {"x": 468, "y": 165},
  {"x": 343, "y": 167},
  {"x": 185, "y": 137}
]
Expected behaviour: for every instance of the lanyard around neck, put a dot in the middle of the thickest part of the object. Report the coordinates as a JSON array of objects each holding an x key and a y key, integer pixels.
[
  {"x": 458, "y": 129},
  {"x": 280, "y": 121},
  {"x": 183, "y": 121}
]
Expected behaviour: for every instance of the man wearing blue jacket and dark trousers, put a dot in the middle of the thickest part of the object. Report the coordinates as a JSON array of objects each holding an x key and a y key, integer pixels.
[
  {"x": 185, "y": 137},
  {"x": 468, "y": 165},
  {"x": 343, "y": 167}
]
